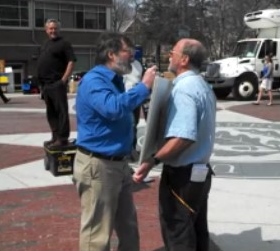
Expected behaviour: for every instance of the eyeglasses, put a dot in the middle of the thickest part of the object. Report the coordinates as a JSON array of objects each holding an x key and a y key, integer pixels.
[
  {"x": 175, "y": 52},
  {"x": 128, "y": 50}
]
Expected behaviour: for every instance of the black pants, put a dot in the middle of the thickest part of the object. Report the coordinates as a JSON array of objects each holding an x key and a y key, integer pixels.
[
  {"x": 181, "y": 229},
  {"x": 136, "y": 115},
  {"x": 55, "y": 96},
  {"x": 2, "y": 95}
]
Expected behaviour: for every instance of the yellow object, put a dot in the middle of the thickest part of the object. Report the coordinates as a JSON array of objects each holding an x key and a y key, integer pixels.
[
  {"x": 4, "y": 80},
  {"x": 73, "y": 86},
  {"x": 184, "y": 203},
  {"x": 2, "y": 65}
]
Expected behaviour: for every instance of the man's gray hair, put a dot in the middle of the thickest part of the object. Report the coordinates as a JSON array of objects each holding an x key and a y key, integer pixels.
[
  {"x": 52, "y": 20},
  {"x": 197, "y": 54}
]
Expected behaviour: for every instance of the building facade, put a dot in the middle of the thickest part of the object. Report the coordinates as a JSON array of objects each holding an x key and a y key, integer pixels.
[{"x": 22, "y": 31}]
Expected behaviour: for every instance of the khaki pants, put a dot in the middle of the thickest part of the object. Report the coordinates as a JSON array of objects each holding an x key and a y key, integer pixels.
[{"x": 105, "y": 190}]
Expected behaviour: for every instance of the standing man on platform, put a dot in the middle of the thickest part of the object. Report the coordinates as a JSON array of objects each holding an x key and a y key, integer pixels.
[
  {"x": 189, "y": 135},
  {"x": 55, "y": 65},
  {"x": 104, "y": 141}
]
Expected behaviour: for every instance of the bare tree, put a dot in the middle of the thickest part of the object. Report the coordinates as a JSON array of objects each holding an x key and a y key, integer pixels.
[
  {"x": 121, "y": 14},
  {"x": 230, "y": 26},
  {"x": 217, "y": 23}
]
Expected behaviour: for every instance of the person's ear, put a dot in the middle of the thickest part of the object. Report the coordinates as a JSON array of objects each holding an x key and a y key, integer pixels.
[
  {"x": 185, "y": 60},
  {"x": 111, "y": 55}
]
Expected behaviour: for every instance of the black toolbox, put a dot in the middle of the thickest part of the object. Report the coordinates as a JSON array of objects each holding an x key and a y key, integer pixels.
[{"x": 59, "y": 160}]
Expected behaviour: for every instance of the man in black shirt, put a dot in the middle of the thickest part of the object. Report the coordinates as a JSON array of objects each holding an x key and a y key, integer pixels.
[{"x": 55, "y": 65}]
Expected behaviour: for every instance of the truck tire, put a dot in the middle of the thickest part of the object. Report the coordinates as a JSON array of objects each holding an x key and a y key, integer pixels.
[
  {"x": 222, "y": 93},
  {"x": 245, "y": 87}
]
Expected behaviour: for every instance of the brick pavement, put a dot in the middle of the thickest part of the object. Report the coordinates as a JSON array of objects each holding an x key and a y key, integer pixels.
[
  {"x": 262, "y": 111},
  {"x": 12, "y": 155},
  {"x": 47, "y": 219},
  {"x": 22, "y": 123}
]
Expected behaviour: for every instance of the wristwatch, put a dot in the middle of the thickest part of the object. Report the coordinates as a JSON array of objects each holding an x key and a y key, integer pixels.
[{"x": 156, "y": 160}]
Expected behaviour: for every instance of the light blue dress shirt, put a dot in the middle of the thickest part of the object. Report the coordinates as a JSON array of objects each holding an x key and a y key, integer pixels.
[{"x": 192, "y": 115}]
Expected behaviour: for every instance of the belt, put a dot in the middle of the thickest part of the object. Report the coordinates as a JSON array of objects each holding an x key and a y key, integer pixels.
[{"x": 101, "y": 156}]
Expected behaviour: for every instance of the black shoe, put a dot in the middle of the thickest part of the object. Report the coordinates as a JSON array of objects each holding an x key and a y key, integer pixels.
[
  {"x": 7, "y": 100},
  {"x": 48, "y": 142},
  {"x": 59, "y": 143}
]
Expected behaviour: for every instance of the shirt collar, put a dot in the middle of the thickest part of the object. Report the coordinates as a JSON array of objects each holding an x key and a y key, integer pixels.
[
  {"x": 111, "y": 75},
  {"x": 104, "y": 70},
  {"x": 183, "y": 75}
]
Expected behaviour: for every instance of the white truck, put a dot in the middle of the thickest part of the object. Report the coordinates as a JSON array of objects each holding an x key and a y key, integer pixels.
[{"x": 240, "y": 73}]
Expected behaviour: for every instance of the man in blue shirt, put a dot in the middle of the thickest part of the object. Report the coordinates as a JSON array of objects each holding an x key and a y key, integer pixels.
[
  {"x": 189, "y": 135},
  {"x": 104, "y": 140}
]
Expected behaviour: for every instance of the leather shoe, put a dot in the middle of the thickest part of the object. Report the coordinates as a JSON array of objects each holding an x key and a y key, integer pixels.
[
  {"x": 48, "y": 142},
  {"x": 59, "y": 143},
  {"x": 7, "y": 100}
]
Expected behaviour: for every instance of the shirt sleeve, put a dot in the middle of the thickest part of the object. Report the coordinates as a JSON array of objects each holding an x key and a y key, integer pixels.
[
  {"x": 69, "y": 52},
  {"x": 109, "y": 102},
  {"x": 182, "y": 118}
]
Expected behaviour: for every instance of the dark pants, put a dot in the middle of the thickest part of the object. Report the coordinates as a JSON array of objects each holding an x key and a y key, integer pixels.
[
  {"x": 2, "y": 95},
  {"x": 181, "y": 229},
  {"x": 55, "y": 96},
  {"x": 136, "y": 115}
]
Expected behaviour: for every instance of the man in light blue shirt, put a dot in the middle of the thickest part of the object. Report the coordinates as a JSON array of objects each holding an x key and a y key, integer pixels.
[
  {"x": 191, "y": 116},
  {"x": 189, "y": 140}
]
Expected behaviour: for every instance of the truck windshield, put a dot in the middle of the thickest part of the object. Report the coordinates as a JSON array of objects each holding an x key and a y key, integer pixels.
[{"x": 246, "y": 49}]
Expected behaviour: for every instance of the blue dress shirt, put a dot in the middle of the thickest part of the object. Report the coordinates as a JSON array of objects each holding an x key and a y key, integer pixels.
[{"x": 104, "y": 112}]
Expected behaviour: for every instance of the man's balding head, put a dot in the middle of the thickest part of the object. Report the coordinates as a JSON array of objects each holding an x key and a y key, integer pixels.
[
  {"x": 187, "y": 54},
  {"x": 194, "y": 50}
]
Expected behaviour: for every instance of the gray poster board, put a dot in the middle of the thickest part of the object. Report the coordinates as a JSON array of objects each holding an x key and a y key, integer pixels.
[{"x": 156, "y": 119}]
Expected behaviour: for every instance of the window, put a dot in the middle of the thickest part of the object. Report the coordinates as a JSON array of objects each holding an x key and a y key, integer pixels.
[
  {"x": 67, "y": 16},
  {"x": 72, "y": 16},
  {"x": 51, "y": 11},
  {"x": 85, "y": 59},
  {"x": 102, "y": 21},
  {"x": 91, "y": 18},
  {"x": 246, "y": 49},
  {"x": 39, "y": 22},
  {"x": 14, "y": 13},
  {"x": 269, "y": 47}
]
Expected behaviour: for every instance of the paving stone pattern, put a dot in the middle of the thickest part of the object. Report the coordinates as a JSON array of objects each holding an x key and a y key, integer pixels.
[{"x": 47, "y": 219}]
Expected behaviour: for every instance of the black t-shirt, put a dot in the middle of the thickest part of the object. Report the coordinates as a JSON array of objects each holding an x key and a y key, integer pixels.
[{"x": 54, "y": 57}]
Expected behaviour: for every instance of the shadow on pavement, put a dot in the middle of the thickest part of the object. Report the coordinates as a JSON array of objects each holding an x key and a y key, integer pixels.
[
  {"x": 251, "y": 240},
  {"x": 139, "y": 187},
  {"x": 213, "y": 247}
]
